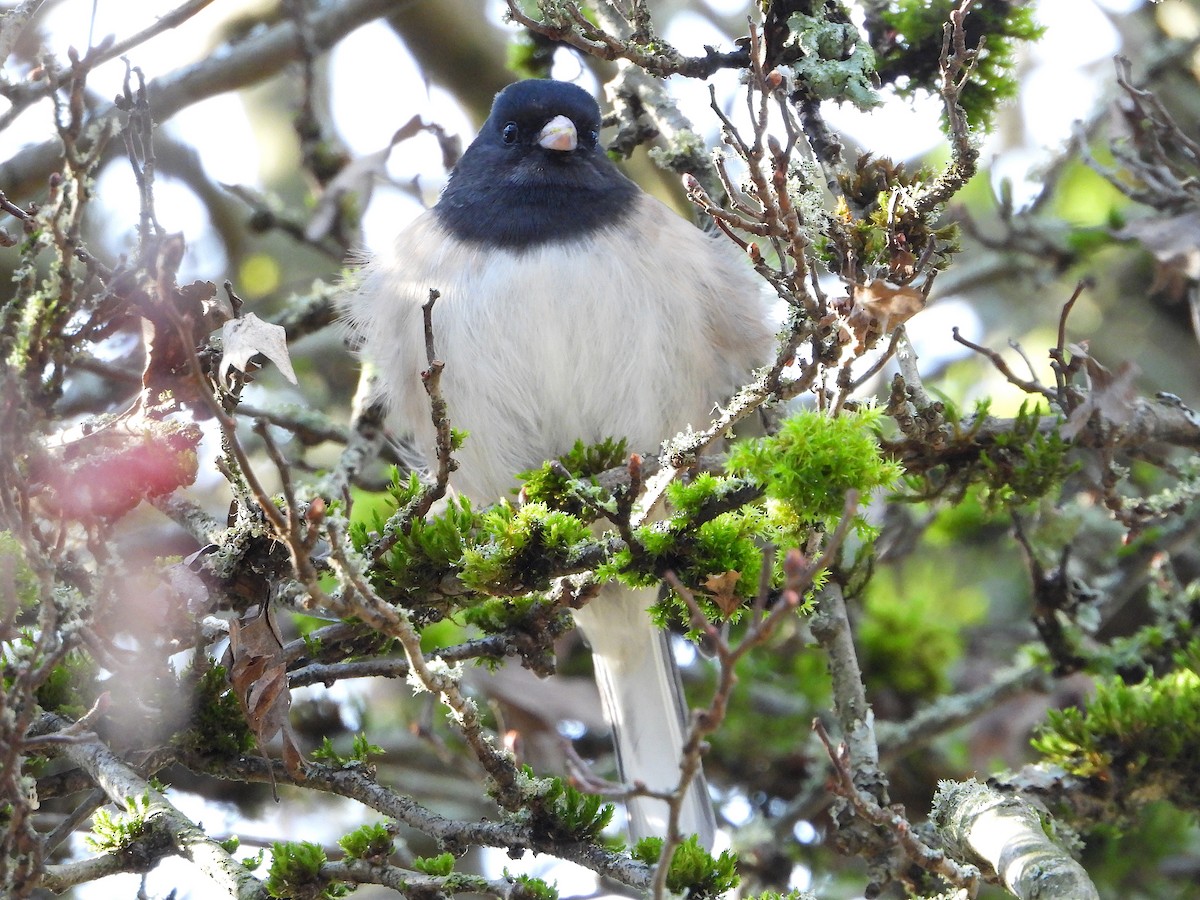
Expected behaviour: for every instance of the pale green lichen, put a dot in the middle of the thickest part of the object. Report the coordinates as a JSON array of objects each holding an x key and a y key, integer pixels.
[
  {"x": 804, "y": 187},
  {"x": 686, "y": 152},
  {"x": 835, "y": 62}
]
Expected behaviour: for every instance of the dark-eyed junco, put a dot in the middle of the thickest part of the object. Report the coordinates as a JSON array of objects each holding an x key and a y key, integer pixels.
[{"x": 573, "y": 305}]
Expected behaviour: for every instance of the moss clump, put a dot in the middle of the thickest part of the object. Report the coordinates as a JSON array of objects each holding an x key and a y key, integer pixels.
[
  {"x": 1139, "y": 738},
  {"x": 370, "y": 842},
  {"x": 694, "y": 872},
  {"x": 814, "y": 461},
  {"x": 218, "y": 727},
  {"x": 562, "y": 813},
  {"x": 909, "y": 49}
]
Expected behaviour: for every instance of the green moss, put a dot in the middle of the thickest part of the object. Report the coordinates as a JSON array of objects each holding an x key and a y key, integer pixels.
[
  {"x": 699, "y": 544},
  {"x": 360, "y": 754},
  {"x": 526, "y": 887},
  {"x": 915, "y": 32},
  {"x": 503, "y": 548},
  {"x": 814, "y": 460},
  {"x": 370, "y": 842},
  {"x": 912, "y": 632},
  {"x": 877, "y": 229},
  {"x": 562, "y": 813},
  {"x": 17, "y": 579},
  {"x": 1025, "y": 463},
  {"x": 113, "y": 832},
  {"x": 569, "y": 483},
  {"x": 441, "y": 865},
  {"x": 295, "y": 872},
  {"x": 1138, "y": 738},
  {"x": 424, "y": 554},
  {"x": 522, "y": 547},
  {"x": 218, "y": 726},
  {"x": 694, "y": 872},
  {"x": 1012, "y": 468}
]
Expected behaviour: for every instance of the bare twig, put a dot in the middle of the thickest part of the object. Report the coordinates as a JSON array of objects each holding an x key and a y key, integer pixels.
[
  {"x": 957, "y": 63},
  {"x": 1028, "y": 386},
  {"x": 263, "y": 53},
  {"x": 900, "y": 829},
  {"x": 435, "y": 676}
]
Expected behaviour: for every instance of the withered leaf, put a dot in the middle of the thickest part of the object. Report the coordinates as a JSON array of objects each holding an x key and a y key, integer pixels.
[
  {"x": 903, "y": 264},
  {"x": 169, "y": 338},
  {"x": 890, "y": 306},
  {"x": 1111, "y": 397},
  {"x": 875, "y": 308},
  {"x": 721, "y": 590},
  {"x": 258, "y": 674},
  {"x": 248, "y": 336},
  {"x": 358, "y": 177},
  {"x": 1175, "y": 243}
]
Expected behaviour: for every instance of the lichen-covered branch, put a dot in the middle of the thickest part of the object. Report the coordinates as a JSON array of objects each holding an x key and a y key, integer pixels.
[{"x": 1008, "y": 836}]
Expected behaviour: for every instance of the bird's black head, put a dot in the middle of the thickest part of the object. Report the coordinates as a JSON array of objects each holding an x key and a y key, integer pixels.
[{"x": 536, "y": 172}]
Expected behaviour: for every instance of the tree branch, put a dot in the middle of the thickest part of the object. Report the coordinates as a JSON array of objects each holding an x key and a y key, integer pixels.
[
  {"x": 120, "y": 782},
  {"x": 1009, "y": 836},
  {"x": 234, "y": 66}
]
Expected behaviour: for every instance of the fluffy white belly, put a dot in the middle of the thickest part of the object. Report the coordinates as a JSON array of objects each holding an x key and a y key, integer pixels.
[{"x": 604, "y": 337}]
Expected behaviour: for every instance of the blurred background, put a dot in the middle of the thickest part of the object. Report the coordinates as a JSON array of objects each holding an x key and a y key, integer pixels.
[{"x": 277, "y": 174}]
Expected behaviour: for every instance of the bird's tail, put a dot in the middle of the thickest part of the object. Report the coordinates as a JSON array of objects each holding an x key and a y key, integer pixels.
[{"x": 643, "y": 702}]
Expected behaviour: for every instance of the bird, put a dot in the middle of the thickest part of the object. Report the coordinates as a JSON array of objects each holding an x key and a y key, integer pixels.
[{"x": 572, "y": 305}]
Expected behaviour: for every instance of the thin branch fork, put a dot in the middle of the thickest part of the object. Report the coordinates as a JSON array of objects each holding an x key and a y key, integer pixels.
[
  {"x": 957, "y": 63},
  {"x": 251, "y": 60},
  {"x": 801, "y": 575},
  {"x": 434, "y": 675},
  {"x": 931, "y": 859},
  {"x": 23, "y": 95}
]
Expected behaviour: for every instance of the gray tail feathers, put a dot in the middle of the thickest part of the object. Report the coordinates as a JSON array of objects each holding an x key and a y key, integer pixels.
[{"x": 643, "y": 702}]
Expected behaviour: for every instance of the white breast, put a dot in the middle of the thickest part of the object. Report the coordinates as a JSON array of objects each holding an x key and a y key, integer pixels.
[{"x": 604, "y": 337}]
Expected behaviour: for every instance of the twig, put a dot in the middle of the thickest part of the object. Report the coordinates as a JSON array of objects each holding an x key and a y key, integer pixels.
[
  {"x": 431, "y": 379},
  {"x": 950, "y": 712},
  {"x": 253, "y": 59},
  {"x": 957, "y": 64},
  {"x": 830, "y": 625},
  {"x": 357, "y": 784},
  {"x": 1028, "y": 386},
  {"x": 23, "y": 95},
  {"x": 441, "y": 680},
  {"x": 1058, "y": 355},
  {"x": 931, "y": 859},
  {"x": 801, "y": 576}
]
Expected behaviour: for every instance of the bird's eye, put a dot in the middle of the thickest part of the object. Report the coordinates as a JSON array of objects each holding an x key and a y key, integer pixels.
[{"x": 510, "y": 133}]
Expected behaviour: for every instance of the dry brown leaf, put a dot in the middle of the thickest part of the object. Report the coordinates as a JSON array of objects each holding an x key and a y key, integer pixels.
[
  {"x": 890, "y": 306},
  {"x": 244, "y": 338},
  {"x": 258, "y": 674},
  {"x": 721, "y": 589},
  {"x": 903, "y": 264},
  {"x": 875, "y": 308}
]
